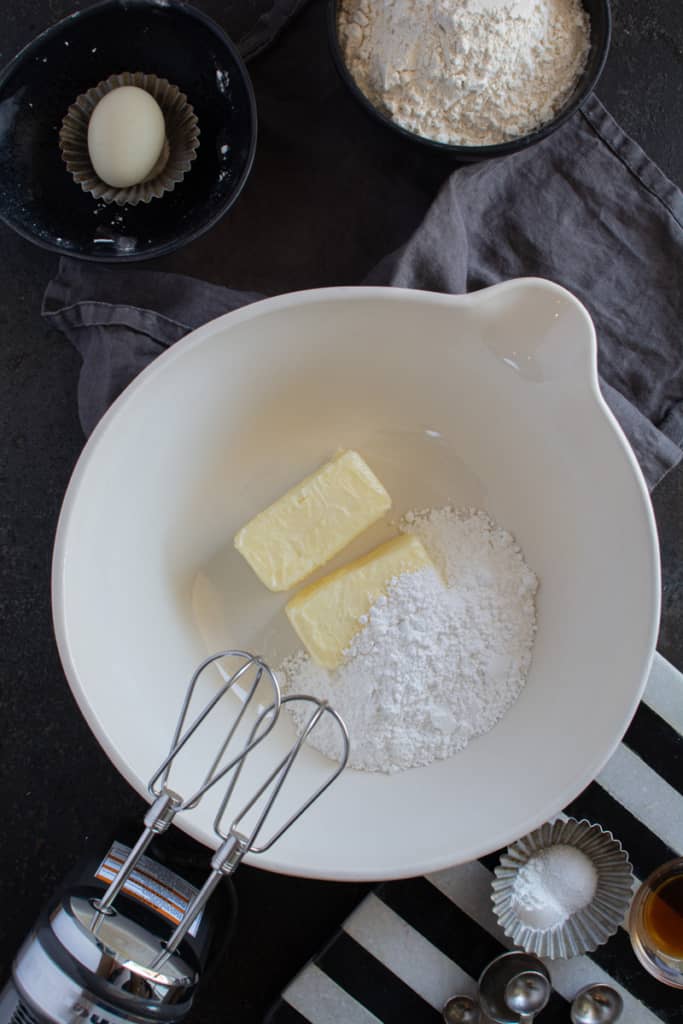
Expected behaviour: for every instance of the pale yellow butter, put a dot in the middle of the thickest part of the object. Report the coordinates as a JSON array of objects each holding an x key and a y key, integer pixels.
[
  {"x": 326, "y": 614},
  {"x": 312, "y": 522}
]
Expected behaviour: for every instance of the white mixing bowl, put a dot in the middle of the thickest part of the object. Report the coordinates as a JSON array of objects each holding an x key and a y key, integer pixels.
[{"x": 489, "y": 399}]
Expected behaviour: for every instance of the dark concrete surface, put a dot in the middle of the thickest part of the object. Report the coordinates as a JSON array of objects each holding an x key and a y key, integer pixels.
[{"x": 317, "y": 154}]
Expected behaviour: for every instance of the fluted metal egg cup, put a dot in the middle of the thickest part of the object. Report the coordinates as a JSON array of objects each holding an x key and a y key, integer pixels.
[
  {"x": 180, "y": 148},
  {"x": 586, "y": 929}
]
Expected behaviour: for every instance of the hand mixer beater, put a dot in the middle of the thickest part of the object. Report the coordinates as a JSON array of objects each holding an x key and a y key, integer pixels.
[{"x": 126, "y": 943}]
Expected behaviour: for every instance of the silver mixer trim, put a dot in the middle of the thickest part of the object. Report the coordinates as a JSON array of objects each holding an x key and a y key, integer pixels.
[
  {"x": 152, "y": 884},
  {"x": 50, "y": 968}
]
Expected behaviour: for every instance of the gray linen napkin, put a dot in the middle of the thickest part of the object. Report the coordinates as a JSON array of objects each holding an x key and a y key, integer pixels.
[{"x": 585, "y": 208}]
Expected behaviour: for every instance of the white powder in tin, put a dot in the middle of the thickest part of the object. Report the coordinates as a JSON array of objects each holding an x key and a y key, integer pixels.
[
  {"x": 434, "y": 665},
  {"x": 553, "y": 884},
  {"x": 473, "y": 72}
]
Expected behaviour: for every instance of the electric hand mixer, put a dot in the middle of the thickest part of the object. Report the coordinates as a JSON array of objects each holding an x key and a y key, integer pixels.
[{"x": 125, "y": 945}]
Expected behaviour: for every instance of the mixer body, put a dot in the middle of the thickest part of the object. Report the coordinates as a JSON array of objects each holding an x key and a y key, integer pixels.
[{"x": 64, "y": 973}]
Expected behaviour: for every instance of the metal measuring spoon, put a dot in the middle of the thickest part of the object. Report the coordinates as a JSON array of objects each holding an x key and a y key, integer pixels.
[
  {"x": 461, "y": 1010},
  {"x": 494, "y": 980},
  {"x": 597, "y": 1004},
  {"x": 527, "y": 994}
]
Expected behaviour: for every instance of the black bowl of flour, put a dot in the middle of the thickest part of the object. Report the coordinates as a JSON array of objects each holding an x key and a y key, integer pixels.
[
  {"x": 598, "y": 12},
  {"x": 38, "y": 197}
]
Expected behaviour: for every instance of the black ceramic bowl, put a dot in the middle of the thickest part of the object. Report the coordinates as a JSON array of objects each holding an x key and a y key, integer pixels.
[
  {"x": 38, "y": 197},
  {"x": 601, "y": 27}
]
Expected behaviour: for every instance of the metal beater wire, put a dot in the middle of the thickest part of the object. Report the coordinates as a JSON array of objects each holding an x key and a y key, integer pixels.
[
  {"x": 234, "y": 845},
  {"x": 179, "y": 741},
  {"x": 168, "y": 803},
  {"x": 283, "y": 769}
]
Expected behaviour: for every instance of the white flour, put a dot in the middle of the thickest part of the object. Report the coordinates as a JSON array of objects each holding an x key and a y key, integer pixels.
[
  {"x": 473, "y": 72},
  {"x": 434, "y": 665}
]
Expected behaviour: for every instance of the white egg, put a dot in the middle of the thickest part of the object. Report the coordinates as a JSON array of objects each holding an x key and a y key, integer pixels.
[{"x": 126, "y": 134}]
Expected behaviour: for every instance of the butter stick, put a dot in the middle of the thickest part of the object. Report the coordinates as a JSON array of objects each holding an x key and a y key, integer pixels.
[
  {"x": 313, "y": 522},
  {"x": 326, "y": 614}
]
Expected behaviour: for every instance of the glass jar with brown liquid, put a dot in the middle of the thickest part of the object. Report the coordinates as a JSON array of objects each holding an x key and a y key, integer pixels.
[{"x": 656, "y": 923}]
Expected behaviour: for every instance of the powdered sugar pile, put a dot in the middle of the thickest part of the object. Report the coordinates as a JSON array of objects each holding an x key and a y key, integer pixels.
[
  {"x": 440, "y": 658},
  {"x": 473, "y": 72}
]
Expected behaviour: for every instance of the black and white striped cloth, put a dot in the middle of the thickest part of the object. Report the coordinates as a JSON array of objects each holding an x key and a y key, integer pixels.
[{"x": 412, "y": 943}]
